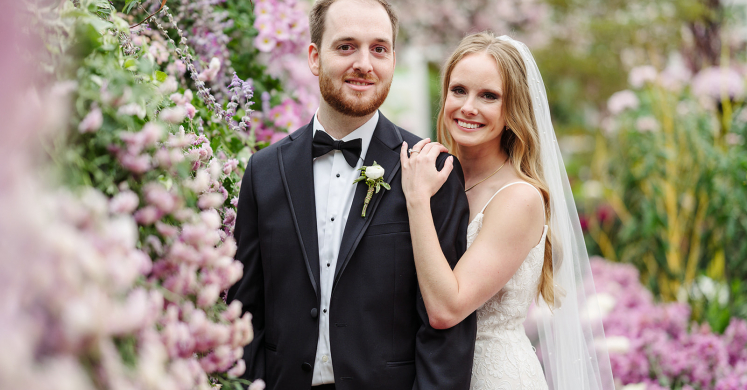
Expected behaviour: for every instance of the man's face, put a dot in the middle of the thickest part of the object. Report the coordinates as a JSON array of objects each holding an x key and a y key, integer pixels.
[{"x": 355, "y": 62}]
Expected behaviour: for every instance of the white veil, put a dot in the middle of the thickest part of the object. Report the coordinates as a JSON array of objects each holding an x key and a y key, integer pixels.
[{"x": 572, "y": 343}]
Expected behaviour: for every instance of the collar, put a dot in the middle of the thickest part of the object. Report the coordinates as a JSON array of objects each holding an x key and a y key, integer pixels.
[{"x": 365, "y": 132}]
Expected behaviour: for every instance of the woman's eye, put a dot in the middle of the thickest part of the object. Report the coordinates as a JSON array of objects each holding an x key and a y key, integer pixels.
[
  {"x": 457, "y": 90},
  {"x": 490, "y": 96}
]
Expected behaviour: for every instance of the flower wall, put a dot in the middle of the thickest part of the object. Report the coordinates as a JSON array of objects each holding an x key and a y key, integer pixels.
[{"x": 128, "y": 148}]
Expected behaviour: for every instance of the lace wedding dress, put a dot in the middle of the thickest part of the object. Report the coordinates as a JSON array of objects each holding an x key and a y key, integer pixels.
[{"x": 504, "y": 357}]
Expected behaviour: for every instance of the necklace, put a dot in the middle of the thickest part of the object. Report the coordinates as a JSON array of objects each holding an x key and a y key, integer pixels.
[{"x": 496, "y": 171}]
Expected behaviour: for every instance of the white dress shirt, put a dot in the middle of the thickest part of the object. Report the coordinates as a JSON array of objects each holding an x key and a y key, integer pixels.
[{"x": 334, "y": 192}]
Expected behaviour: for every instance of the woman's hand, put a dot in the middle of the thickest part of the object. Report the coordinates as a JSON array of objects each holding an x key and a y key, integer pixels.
[{"x": 420, "y": 178}]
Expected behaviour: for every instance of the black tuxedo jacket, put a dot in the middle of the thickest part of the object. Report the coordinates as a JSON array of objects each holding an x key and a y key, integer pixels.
[{"x": 379, "y": 331}]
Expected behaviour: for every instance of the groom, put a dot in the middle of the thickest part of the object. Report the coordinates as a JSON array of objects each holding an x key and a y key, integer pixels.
[{"x": 334, "y": 295}]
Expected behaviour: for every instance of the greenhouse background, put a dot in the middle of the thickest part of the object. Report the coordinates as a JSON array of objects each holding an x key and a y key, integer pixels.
[{"x": 127, "y": 125}]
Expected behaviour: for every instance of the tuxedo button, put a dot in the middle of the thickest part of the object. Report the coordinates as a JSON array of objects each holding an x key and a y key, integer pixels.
[
  {"x": 314, "y": 313},
  {"x": 306, "y": 367}
]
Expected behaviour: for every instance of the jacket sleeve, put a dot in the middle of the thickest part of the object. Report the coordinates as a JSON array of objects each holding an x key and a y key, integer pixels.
[
  {"x": 250, "y": 289},
  {"x": 443, "y": 358}
]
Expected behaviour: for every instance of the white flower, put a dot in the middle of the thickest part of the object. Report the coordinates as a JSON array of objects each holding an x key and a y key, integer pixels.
[
  {"x": 374, "y": 172},
  {"x": 641, "y": 75},
  {"x": 622, "y": 100},
  {"x": 635, "y": 386}
]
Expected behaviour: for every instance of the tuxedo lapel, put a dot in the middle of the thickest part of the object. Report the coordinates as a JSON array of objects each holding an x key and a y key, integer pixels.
[
  {"x": 298, "y": 177},
  {"x": 384, "y": 149}
]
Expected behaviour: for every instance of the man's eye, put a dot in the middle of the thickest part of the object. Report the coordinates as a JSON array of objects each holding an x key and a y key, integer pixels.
[
  {"x": 380, "y": 50},
  {"x": 345, "y": 47}
]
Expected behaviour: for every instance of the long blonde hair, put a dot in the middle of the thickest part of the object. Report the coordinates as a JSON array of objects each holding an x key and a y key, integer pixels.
[{"x": 519, "y": 139}]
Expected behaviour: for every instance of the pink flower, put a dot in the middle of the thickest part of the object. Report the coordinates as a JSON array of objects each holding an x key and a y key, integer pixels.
[
  {"x": 719, "y": 82},
  {"x": 258, "y": 384},
  {"x": 208, "y": 295},
  {"x": 640, "y": 75},
  {"x": 166, "y": 230},
  {"x": 232, "y": 312},
  {"x": 211, "y": 72},
  {"x": 238, "y": 370},
  {"x": 124, "y": 202},
  {"x": 265, "y": 42},
  {"x": 230, "y": 166},
  {"x": 210, "y": 201},
  {"x": 168, "y": 86},
  {"x": 157, "y": 195},
  {"x": 277, "y": 137},
  {"x": 135, "y": 163},
  {"x": 92, "y": 122},
  {"x": 148, "y": 215},
  {"x": 621, "y": 101},
  {"x": 173, "y": 115},
  {"x": 191, "y": 110}
]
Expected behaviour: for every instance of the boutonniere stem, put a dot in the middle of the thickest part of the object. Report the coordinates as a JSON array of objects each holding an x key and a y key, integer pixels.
[{"x": 374, "y": 178}]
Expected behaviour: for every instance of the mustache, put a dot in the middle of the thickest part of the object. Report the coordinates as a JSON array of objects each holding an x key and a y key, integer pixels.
[{"x": 362, "y": 76}]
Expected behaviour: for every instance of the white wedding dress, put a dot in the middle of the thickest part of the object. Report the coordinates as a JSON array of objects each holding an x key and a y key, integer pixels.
[{"x": 504, "y": 357}]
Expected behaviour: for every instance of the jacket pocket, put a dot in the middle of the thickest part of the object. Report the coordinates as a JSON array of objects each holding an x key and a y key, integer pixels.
[
  {"x": 388, "y": 228},
  {"x": 400, "y": 363}
]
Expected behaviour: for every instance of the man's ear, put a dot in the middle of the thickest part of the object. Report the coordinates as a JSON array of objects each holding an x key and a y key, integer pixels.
[
  {"x": 314, "y": 59},
  {"x": 394, "y": 55}
]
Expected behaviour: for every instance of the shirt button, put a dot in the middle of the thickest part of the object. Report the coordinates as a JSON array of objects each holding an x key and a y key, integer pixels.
[
  {"x": 325, "y": 310},
  {"x": 325, "y": 358},
  {"x": 338, "y": 175},
  {"x": 327, "y": 264},
  {"x": 332, "y": 219}
]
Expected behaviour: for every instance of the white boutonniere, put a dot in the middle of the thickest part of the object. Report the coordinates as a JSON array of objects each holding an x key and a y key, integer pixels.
[{"x": 374, "y": 177}]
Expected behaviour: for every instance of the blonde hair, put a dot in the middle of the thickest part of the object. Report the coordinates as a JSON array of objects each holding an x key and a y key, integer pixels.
[{"x": 520, "y": 139}]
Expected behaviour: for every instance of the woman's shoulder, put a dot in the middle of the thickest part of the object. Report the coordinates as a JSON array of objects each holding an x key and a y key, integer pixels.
[{"x": 515, "y": 200}]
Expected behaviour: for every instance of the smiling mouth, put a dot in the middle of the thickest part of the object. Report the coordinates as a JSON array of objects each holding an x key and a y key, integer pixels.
[
  {"x": 358, "y": 83},
  {"x": 468, "y": 125}
]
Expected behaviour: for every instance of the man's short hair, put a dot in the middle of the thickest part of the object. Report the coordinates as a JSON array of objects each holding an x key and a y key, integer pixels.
[{"x": 318, "y": 14}]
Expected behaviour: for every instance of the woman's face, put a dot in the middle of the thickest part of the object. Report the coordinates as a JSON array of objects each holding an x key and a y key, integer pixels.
[{"x": 473, "y": 109}]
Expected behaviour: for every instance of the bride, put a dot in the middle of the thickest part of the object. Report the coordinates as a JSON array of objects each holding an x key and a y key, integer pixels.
[{"x": 524, "y": 239}]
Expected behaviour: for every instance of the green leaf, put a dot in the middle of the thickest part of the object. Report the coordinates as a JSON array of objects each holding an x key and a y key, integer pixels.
[
  {"x": 130, "y": 64},
  {"x": 161, "y": 76},
  {"x": 386, "y": 185},
  {"x": 359, "y": 179},
  {"x": 378, "y": 187}
]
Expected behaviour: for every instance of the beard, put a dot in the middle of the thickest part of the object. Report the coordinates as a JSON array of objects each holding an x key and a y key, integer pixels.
[{"x": 356, "y": 106}]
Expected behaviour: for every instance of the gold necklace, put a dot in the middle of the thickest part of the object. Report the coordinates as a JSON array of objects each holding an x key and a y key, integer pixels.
[{"x": 496, "y": 171}]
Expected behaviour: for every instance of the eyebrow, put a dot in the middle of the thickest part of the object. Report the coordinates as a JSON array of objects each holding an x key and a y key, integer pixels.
[
  {"x": 349, "y": 39},
  {"x": 453, "y": 84}
]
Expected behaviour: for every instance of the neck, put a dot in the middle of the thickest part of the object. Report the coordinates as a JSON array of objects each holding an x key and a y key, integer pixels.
[
  {"x": 339, "y": 125},
  {"x": 479, "y": 162}
]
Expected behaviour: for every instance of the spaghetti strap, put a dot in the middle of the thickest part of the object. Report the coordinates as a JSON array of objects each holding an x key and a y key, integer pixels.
[{"x": 508, "y": 185}]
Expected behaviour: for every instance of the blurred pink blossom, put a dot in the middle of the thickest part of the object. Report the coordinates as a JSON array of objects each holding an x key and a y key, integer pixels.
[
  {"x": 124, "y": 203},
  {"x": 621, "y": 101},
  {"x": 718, "y": 83},
  {"x": 640, "y": 75},
  {"x": 92, "y": 122}
]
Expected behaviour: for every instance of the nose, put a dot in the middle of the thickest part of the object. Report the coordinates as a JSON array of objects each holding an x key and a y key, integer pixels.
[
  {"x": 363, "y": 62},
  {"x": 468, "y": 108}
]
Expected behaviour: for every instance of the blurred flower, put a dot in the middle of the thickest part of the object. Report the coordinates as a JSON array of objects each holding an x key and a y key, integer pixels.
[
  {"x": 211, "y": 72},
  {"x": 647, "y": 124},
  {"x": 173, "y": 115},
  {"x": 718, "y": 83},
  {"x": 92, "y": 122},
  {"x": 641, "y": 75},
  {"x": 621, "y": 101}
]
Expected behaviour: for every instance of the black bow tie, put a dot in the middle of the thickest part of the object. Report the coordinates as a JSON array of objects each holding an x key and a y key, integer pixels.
[{"x": 323, "y": 144}]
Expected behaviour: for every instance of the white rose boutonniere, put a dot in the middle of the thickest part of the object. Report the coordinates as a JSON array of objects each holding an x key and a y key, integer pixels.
[{"x": 373, "y": 175}]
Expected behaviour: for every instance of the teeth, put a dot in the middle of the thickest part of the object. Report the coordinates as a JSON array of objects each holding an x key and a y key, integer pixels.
[
  {"x": 468, "y": 125},
  {"x": 357, "y": 83}
]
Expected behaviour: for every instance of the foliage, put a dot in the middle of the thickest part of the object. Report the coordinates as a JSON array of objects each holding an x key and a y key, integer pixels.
[{"x": 672, "y": 165}]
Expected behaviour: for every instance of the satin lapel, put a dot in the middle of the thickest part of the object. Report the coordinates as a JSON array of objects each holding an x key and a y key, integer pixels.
[
  {"x": 384, "y": 149},
  {"x": 298, "y": 177}
]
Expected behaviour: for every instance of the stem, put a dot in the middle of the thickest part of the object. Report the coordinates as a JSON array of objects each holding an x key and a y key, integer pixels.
[{"x": 369, "y": 195}]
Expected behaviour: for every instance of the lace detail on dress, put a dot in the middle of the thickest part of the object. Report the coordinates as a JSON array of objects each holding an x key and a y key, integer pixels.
[{"x": 504, "y": 357}]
